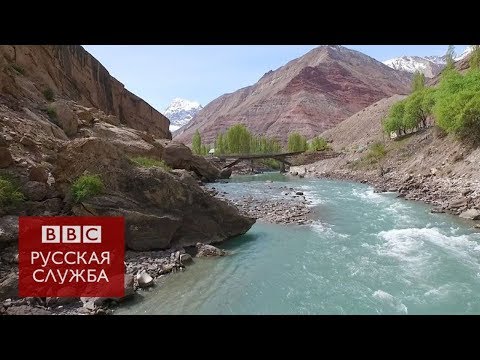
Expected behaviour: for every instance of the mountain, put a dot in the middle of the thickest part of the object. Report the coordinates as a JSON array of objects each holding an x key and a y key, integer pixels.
[
  {"x": 309, "y": 94},
  {"x": 70, "y": 71},
  {"x": 430, "y": 66},
  {"x": 180, "y": 112}
]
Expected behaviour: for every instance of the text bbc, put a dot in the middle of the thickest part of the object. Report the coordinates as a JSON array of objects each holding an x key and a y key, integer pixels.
[{"x": 71, "y": 234}]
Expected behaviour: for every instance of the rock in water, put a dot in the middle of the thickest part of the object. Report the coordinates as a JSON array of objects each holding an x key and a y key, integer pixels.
[
  {"x": 186, "y": 259},
  {"x": 129, "y": 286},
  {"x": 472, "y": 214},
  {"x": 205, "y": 250},
  {"x": 144, "y": 280},
  {"x": 225, "y": 173}
]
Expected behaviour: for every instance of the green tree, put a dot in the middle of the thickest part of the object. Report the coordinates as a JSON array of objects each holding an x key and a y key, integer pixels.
[
  {"x": 418, "y": 107},
  {"x": 204, "y": 150},
  {"x": 394, "y": 121},
  {"x": 197, "y": 143},
  {"x": 475, "y": 58},
  {"x": 297, "y": 142},
  {"x": 457, "y": 105},
  {"x": 219, "y": 145},
  {"x": 450, "y": 58},
  {"x": 418, "y": 81},
  {"x": 238, "y": 140}
]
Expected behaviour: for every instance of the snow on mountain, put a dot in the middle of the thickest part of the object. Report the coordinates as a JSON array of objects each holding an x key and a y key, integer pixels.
[
  {"x": 467, "y": 51},
  {"x": 429, "y": 65},
  {"x": 180, "y": 112}
]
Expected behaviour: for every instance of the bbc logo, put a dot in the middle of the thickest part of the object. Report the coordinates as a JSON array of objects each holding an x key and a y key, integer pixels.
[{"x": 71, "y": 234}]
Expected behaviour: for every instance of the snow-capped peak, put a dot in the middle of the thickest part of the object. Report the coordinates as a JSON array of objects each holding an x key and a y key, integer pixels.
[
  {"x": 181, "y": 111},
  {"x": 464, "y": 54},
  {"x": 429, "y": 65}
]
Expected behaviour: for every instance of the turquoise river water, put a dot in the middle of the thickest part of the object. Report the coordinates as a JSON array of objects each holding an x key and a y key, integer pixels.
[{"x": 366, "y": 253}]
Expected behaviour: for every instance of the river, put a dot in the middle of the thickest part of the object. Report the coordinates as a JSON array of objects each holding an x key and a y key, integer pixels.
[{"x": 366, "y": 253}]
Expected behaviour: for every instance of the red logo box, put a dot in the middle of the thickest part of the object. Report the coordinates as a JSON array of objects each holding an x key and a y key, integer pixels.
[{"x": 71, "y": 256}]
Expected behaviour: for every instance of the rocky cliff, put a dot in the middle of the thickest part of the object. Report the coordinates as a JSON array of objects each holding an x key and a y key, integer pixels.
[
  {"x": 310, "y": 94},
  {"x": 29, "y": 72},
  {"x": 63, "y": 116}
]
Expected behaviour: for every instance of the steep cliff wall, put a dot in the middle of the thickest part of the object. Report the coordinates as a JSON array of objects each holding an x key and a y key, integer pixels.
[{"x": 72, "y": 73}]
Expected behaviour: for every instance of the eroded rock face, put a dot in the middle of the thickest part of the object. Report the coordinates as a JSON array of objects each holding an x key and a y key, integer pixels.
[
  {"x": 65, "y": 117},
  {"x": 150, "y": 199},
  {"x": 5, "y": 157},
  {"x": 71, "y": 72}
]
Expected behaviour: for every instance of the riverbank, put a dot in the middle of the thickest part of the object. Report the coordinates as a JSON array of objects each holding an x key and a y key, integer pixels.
[
  {"x": 285, "y": 205},
  {"x": 143, "y": 270},
  {"x": 454, "y": 195},
  {"x": 364, "y": 253}
]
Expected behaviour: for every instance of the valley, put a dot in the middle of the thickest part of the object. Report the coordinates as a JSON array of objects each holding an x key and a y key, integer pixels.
[{"x": 379, "y": 214}]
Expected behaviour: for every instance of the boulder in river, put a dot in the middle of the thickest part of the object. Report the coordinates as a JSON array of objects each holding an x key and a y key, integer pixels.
[
  {"x": 185, "y": 259},
  {"x": 144, "y": 280}
]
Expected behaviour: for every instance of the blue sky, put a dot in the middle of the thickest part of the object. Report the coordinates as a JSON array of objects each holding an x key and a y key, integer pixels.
[{"x": 159, "y": 73}]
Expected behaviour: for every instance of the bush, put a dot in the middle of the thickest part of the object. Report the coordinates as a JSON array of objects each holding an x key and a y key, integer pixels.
[
  {"x": 87, "y": 186},
  {"x": 297, "y": 142},
  {"x": 10, "y": 194},
  {"x": 18, "y": 69},
  {"x": 318, "y": 144},
  {"x": 52, "y": 114},
  {"x": 147, "y": 162},
  {"x": 48, "y": 94},
  {"x": 376, "y": 152}
]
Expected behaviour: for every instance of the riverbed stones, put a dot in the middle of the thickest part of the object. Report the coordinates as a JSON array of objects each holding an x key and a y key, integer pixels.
[
  {"x": 205, "y": 250},
  {"x": 458, "y": 202},
  {"x": 472, "y": 214}
]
